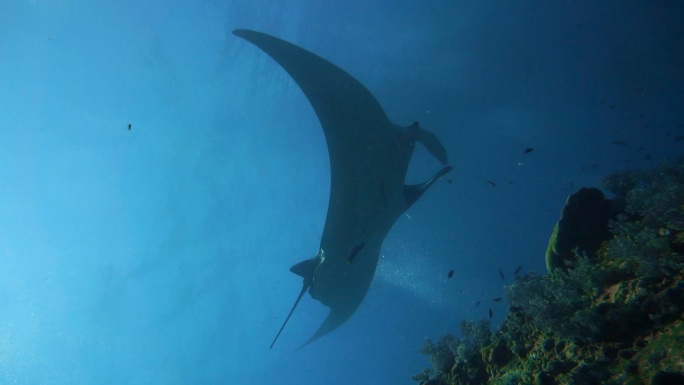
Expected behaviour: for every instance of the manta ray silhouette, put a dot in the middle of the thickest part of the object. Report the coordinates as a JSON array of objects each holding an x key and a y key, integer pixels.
[{"x": 369, "y": 157}]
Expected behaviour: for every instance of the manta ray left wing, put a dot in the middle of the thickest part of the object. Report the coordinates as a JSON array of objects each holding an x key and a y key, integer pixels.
[{"x": 369, "y": 157}]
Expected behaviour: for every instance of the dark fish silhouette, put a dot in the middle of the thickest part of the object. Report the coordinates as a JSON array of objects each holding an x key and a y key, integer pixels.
[
  {"x": 679, "y": 138},
  {"x": 517, "y": 270},
  {"x": 528, "y": 150},
  {"x": 619, "y": 142},
  {"x": 492, "y": 183},
  {"x": 450, "y": 274},
  {"x": 501, "y": 274},
  {"x": 369, "y": 158},
  {"x": 491, "y": 314},
  {"x": 477, "y": 303},
  {"x": 129, "y": 126},
  {"x": 497, "y": 299}
]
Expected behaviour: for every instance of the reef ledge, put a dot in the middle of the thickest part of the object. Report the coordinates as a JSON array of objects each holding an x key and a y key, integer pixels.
[{"x": 613, "y": 316}]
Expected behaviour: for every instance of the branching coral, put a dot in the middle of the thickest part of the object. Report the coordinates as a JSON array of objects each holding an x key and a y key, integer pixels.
[
  {"x": 458, "y": 358},
  {"x": 648, "y": 235},
  {"x": 556, "y": 302},
  {"x": 442, "y": 355}
]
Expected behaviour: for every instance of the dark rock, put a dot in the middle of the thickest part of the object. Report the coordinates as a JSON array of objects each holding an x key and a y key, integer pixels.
[
  {"x": 632, "y": 367},
  {"x": 500, "y": 355},
  {"x": 657, "y": 356},
  {"x": 639, "y": 344},
  {"x": 609, "y": 352},
  {"x": 667, "y": 378},
  {"x": 544, "y": 378},
  {"x": 560, "y": 346},
  {"x": 560, "y": 367}
]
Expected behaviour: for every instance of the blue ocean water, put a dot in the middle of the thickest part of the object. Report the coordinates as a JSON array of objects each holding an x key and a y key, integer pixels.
[{"x": 160, "y": 253}]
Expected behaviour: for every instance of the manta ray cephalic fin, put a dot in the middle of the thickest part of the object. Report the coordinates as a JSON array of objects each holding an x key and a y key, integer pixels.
[
  {"x": 429, "y": 141},
  {"x": 413, "y": 192}
]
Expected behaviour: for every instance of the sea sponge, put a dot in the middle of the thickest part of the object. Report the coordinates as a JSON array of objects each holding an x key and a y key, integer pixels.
[{"x": 582, "y": 227}]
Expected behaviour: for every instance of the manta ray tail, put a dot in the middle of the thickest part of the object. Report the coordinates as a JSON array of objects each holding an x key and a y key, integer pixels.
[
  {"x": 415, "y": 191},
  {"x": 304, "y": 269},
  {"x": 305, "y": 286}
]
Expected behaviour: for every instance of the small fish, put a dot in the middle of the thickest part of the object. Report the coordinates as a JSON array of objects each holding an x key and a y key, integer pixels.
[
  {"x": 491, "y": 314},
  {"x": 619, "y": 142},
  {"x": 355, "y": 251},
  {"x": 497, "y": 299},
  {"x": 492, "y": 183},
  {"x": 449, "y": 181},
  {"x": 129, "y": 126},
  {"x": 501, "y": 274},
  {"x": 517, "y": 270},
  {"x": 647, "y": 157},
  {"x": 450, "y": 274},
  {"x": 679, "y": 138},
  {"x": 528, "y": 150},
  {"x": 477, "y": 303}
]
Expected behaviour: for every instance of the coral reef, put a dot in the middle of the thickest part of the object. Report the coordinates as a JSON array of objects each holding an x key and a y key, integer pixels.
[
  {"x": 457, "y": 361},
  {"x": 613, "y": 316}
]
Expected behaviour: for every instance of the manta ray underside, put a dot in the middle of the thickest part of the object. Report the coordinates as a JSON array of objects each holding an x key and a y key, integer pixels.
[{"x": 369, "y": 157}]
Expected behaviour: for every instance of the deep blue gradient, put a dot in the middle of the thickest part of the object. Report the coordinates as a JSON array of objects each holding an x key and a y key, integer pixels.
[{"x": 160, "y": 254}]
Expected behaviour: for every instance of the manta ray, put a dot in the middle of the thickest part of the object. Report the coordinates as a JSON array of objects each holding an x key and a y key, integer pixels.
[{"x": 369, "y": 158}]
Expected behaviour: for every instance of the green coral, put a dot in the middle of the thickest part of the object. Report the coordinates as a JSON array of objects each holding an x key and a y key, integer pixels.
[
  {"x": 552, "y": 254},
  {"x": 612, "y": 317}
]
